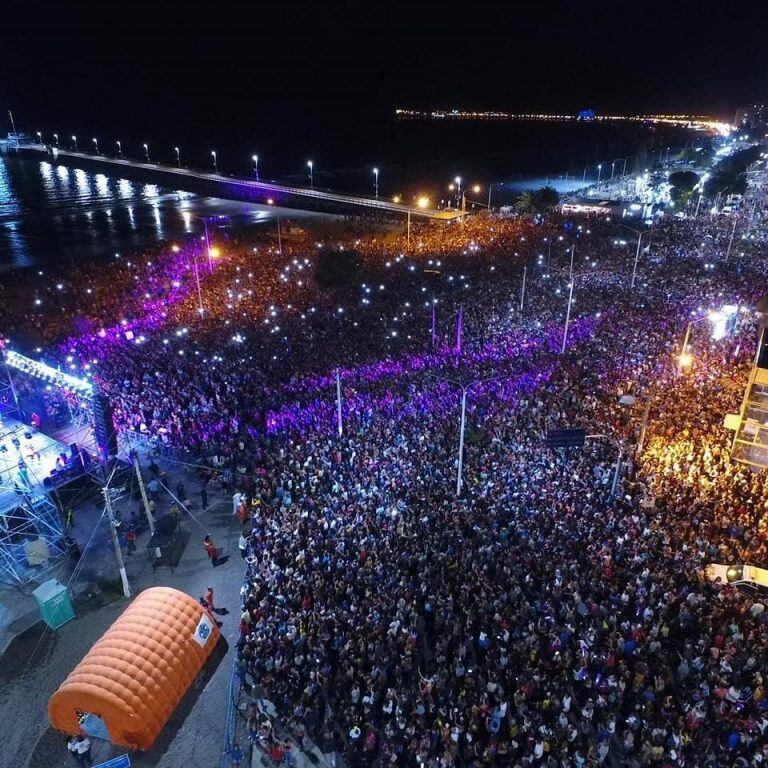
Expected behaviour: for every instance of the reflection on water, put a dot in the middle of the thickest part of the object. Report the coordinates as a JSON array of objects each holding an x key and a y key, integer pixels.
[{"x": 52, "y": 213}]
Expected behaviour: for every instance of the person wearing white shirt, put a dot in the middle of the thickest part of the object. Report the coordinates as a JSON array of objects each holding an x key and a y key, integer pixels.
[
  {"x": 83, "y": 745},
  {"x": 72, "y": 747}
]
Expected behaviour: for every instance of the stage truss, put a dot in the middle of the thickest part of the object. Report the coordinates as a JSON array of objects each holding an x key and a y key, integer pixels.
[{"x": 32, "y": 532}]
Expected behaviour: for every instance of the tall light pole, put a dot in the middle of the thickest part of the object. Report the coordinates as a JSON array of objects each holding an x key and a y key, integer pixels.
[
  {"x": 376, "y": 183},
  {"x": 522, "y": 289},
  {"x": 208, "y": 244},
  {"x": 457, "y": 181},
  {"x": 95, "y": 145},
  {"x": 215, "y": 166},
  {"x": 568, "y": 314},
  {"x": 463, "y": 421},
  {"x": 311, "y": 166},
  {"x": 255, "y": 161},
  {"x": 639, "y": 234},
  {"x": 178, "y": 156},
  {"x": 146, "y": 152},
  {"x": 338, "y": 402},
  {"x": 730, "y": 240},
  {"x": 476, "y": 190},
  {"x": 56, "y": 138},
  {"x": 74, "y": 141},
  {"x": 39, "y": 137},
  {"x": 119, "y": 149},
  {"x": 599, "y": 171}
]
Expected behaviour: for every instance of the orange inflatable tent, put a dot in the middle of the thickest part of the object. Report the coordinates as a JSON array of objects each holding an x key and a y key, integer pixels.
[{"x": 133, "y": 678}]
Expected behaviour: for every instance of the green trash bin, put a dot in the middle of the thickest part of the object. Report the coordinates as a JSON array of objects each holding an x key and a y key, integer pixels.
[{"x": 54, "y": 603}]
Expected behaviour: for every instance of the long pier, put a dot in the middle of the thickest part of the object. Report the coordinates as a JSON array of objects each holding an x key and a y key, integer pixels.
[{"x": 234, "y": 188}]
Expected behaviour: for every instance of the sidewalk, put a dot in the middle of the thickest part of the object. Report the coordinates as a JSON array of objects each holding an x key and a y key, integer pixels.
[{"x": 36, "y": 659}]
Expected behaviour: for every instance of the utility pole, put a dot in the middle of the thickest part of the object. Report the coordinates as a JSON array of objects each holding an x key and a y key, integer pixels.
[
  {"x": 459, "y": 324},
  {"x": 144, "y": 499},
  {"x": 116, "y": 541},
  {"x": 409, "y": 229},
  {"x": 643, "y": 427}
]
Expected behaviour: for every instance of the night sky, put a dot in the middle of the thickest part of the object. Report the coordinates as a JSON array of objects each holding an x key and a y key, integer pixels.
[{"x": 181, "y": 65}]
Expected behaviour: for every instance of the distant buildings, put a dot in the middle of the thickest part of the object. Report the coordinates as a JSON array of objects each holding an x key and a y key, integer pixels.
[{"x": 752, "y": 117}]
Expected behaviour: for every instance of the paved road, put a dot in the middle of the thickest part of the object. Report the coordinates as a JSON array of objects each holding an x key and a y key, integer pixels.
[{"x": 37, "y": 662}]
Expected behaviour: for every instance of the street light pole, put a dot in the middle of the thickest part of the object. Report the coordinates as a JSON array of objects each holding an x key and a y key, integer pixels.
[
  {"x": 568, "y": 315},
  {"x": 338, "y": 402},
  {"x": 146, "y": 151},
  {"x": 434, "y": 324},
  {"x": 208, "y": 244},
  {"x": 215, "y": 165},
  {"x": 96, "y": 145},
  {"x": 178, "y": 157},
  {"x": 310, "y": 165},
  {"x": 463, "y": 420},
  {"x": 599, "y": 171},
  {"x": 683, "y": 352},
  {"x": 279, "y": 238},
  {"x": 637, "y": 259},
  {"x": 255, "y": 160},
  {"x": 119, "y": 149},
  {"x": 409, "y": 230},
  {"x": 56, "y": 139},
  {"x": 74, "y": 141},
  {"x": 376, "y": 183},
  {"x": 522, "y": 290},
  {"x": 639, "y": 234},
  {"x": 461, "y": 438},
  {"x": 730, "y": 240}
]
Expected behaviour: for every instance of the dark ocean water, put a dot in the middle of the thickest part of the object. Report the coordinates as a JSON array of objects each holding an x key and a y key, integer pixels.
[{"x": 50, "y": 213}]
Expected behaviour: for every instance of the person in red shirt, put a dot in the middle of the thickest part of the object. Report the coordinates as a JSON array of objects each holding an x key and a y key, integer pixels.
[{"x": 210, "y": 550}]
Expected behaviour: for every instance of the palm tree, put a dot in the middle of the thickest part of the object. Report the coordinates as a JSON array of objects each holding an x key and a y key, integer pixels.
[{"x": 526, "y": 202}]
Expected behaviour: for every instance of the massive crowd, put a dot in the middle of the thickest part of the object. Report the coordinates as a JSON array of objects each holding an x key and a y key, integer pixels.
[{"x": 531, "y": 620}]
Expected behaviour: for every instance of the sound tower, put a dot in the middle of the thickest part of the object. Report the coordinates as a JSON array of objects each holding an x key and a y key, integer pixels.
[{"x": 104, "y": 427}]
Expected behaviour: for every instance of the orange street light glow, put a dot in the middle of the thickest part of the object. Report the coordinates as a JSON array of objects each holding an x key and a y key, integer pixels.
[
  {"x": 686, "y": 359},
  {"x": 214, "y": 253}
]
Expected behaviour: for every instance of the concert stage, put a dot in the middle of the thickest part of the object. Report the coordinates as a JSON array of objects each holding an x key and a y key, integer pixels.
[{"x": 33, "y": 462}]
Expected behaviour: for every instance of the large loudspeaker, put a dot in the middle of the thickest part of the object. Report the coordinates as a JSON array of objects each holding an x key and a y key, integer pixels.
[
  {"x": 104, "y": 427},
  {"x": 762, "y": 354}
]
